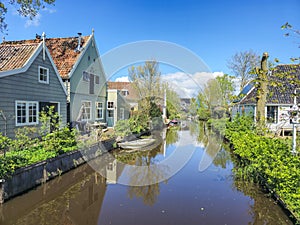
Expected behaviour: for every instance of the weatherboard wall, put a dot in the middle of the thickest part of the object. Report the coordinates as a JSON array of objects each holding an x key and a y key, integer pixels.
[{"x": 26, "y": 87}]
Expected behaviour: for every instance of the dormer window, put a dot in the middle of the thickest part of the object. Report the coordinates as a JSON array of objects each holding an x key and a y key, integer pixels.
[
  {"x": 43, "y": 75},
  {"x": 124, "y": 92}
]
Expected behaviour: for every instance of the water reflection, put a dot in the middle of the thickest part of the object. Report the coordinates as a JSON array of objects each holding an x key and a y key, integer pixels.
[
  {"x": 83, "y": 196},
  {"x": 264, "y": 209},
  {"x": 73, "y": 198}
]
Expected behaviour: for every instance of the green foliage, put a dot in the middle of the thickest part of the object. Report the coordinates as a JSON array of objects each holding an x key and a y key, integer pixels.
[
  {"x": 4, "y": 143},
  {"x": 24, "y": 8},
  {"x": 173, "y": 103},
  {"x": 122, "y": 128},
  {"x": 135, "y": 124},
  {"x": 154, "y": 110},
  {"x": 28, "y": 147},
  {"x": 266, "y": 160},
  {"x": 204, "y": 114},
  {"x": 218, "y": 125}
]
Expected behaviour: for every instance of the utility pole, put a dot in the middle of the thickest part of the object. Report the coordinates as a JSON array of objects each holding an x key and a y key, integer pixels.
[{"x": 294, "y": 114}]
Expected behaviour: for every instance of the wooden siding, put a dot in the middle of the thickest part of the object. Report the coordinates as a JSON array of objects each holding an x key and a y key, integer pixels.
[
  {"x": 80, "y": 89},
  {"x": 26, "y": 87}
]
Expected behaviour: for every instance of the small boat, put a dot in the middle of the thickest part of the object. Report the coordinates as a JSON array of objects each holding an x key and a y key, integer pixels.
[
  {"x": 173, "y": 122},
  {"x": 137, "y": 144}
]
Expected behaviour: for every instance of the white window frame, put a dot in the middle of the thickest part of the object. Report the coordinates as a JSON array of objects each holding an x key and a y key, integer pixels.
[
  {"x": 27, "y": 109},
  {"x": 99, "y": 108},
  {"x": 122, "y": 114},
  {"x": 90, "y": 117},
  {"x": 47, "y": 75},
  {"x": 124, "y": 92},
  {"x": 110, "y": 108}
]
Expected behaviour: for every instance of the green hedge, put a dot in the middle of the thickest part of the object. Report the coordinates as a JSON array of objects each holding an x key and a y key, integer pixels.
[
  {"x": 267, "y": 160},
  {"x": 24, "y": 151}
]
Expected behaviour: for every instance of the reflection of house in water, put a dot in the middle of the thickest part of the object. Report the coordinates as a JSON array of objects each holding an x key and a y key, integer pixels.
[
  {"x": 85, "y": 207},
  {"x": 111, "y": 172},
  {"x": 74, "y": 198}
]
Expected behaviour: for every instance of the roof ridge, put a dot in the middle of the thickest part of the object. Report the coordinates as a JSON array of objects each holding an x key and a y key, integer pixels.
[{"x": 27, "y": 41}]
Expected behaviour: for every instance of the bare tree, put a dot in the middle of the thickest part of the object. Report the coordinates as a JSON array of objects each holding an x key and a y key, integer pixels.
[{"x": 242, "y": 63}]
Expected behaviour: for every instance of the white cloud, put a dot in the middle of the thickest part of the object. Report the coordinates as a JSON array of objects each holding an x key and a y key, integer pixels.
[
  {"x": 49, "y": 10},
  {"x": 35, "y": 22},
  {"x": 188, "y": 86},
  {"x": 122, "y": 79}
]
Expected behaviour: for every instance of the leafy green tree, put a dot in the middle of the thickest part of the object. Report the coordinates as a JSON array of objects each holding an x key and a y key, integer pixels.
[
  {"x": 214, "y": 100},
  {"x": 226, "y": 88},
  {"x": 173, "y": 104},
  {"x": 146, "y": 80},
  {"x": 25, "y": 8},
  {"x": 241, "y": 64},
  {"x": 193, "y": 107}
]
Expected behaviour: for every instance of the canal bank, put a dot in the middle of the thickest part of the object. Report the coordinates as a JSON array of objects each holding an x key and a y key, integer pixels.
[
  {"x": 212, "y": 196},
  {"x": 27, "y": 178}
]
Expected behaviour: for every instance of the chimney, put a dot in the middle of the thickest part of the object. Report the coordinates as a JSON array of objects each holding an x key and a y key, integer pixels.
[
  {"x": 44, "y": 45},
  {"x": 79, "y": 42}
]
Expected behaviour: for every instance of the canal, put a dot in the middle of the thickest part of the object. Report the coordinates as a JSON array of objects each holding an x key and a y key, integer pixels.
[{"x": 186, "y": 179}]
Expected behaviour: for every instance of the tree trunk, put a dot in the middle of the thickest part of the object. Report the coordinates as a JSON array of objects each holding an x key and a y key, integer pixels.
[{"x": 262, "y": 91}]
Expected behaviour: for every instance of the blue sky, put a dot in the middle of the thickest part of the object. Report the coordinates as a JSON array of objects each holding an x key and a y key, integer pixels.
[{"x": 212, "y": 29}]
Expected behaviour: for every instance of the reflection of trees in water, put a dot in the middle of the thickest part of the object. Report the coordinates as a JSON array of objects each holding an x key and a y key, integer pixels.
[
  {"x": 145, "y": 177},
  {"x": 222, "y": 158},
  {"x": 203, "y": 133},
  {"x": 148, "y": 193},
  {"x": 172, "y": 135},
  {"x": 193, "y": 128},
  {"x": 263, "y": 210}
]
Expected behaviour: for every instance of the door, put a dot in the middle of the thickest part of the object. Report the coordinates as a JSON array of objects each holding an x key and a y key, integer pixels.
[{"x": 110, "y": 114}]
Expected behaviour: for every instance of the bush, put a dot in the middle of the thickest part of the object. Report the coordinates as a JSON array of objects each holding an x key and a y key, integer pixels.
[{"x": 266, "y": 160}]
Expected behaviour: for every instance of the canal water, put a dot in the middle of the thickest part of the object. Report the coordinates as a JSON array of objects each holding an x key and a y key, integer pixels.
[{"x": 186, "y": 179}]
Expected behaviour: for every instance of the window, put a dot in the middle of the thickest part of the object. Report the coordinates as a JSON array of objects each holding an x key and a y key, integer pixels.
[
  {"x": 85, "y": 76},
  {"x": 26, "y": 113},
  {"x": 124, "y": 92},
  {"x": 110, "y": 109},
  {"x": 272, "y": 112},
  {"x": 110, "y": 105},
  {"x": 86, "y": 110},
  {"x": 43, "y": 75},
  {"x": 99, "y": 110},
  {"x": 122, "y": 115},
  {"x": 110, "y": 113},
  {"x": 97, "y": 80}
]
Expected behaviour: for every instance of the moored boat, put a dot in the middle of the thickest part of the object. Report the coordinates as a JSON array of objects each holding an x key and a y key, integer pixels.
[{"x": 136, "y": 144}]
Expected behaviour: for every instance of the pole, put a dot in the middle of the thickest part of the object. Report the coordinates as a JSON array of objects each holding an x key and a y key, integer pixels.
[
  {"x": 294, "y": 151},
  {"x": 165, "y": 105},
  {"x": 294, "y": 139}
]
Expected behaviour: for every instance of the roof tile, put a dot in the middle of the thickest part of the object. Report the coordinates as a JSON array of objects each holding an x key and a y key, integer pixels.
[
  {"x": 14, "y": 56},
  {"x": 63, "y": 52}
]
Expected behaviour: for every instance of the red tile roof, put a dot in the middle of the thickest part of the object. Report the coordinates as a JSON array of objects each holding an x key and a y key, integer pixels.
[
  {"x": 62, "y": 50},
  {"x": 133, "y": 95},
  {"x": 64, "y": 54},
  {"x": 14, "y": 56}
]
